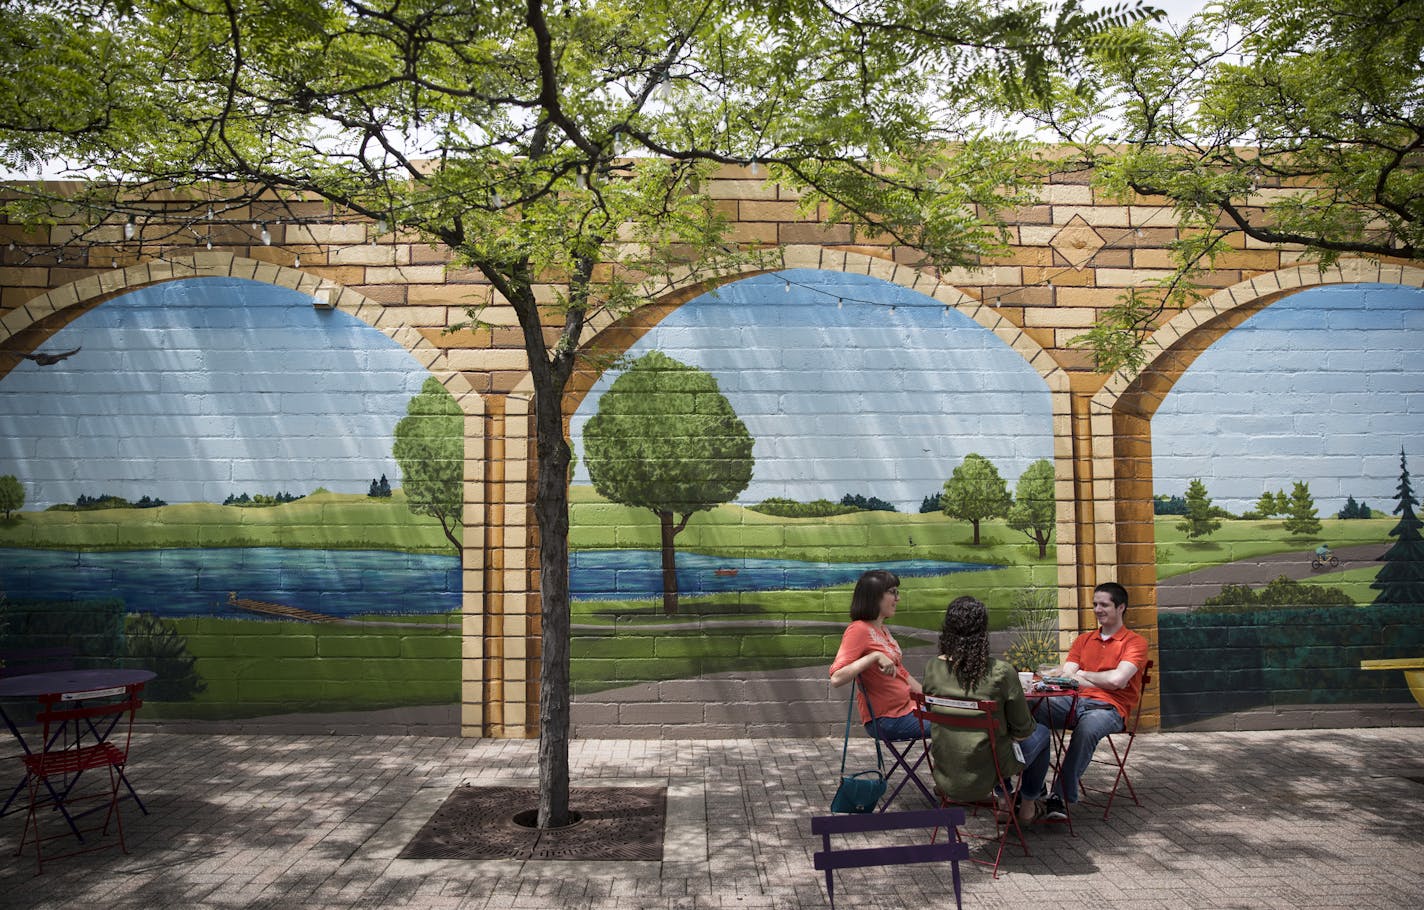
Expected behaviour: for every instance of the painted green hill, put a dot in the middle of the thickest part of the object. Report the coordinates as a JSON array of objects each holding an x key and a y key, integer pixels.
[{"x": 335, "y": 521}]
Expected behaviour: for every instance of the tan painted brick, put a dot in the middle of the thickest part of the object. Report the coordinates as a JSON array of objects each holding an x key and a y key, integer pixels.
[
  {"x": 19, "y": 276},
  {"x": 368, "y": 254},
  {"x": 771, "y": 211},
  {"x": 406, "y": 274},
  {"x": 1130, "y": 278},
  {"x": 1095, "y": 215},
  {"x": 1059, "y": 317},
  {"x": 740, "y": 189},
  {"x": 1067, "y": 194},
  {"x": 455, "y": 295}
]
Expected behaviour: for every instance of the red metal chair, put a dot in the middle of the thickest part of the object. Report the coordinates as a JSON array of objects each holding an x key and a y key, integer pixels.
[
  {"x": 981, "y": 716},
  {"x": 1118, "y": 761},
  {"x": 79, "y": 730}
]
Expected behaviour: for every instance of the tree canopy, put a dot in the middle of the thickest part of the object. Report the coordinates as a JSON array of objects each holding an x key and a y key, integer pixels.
[
  {"x": 665, "y": 438},
  {"x": 974, "y": 492},
  {"x": 430, "y": 449},
  {"x": 1401, "y": 579},
  {"x": 560, "y": 142},
  {"x": 1199, "y": 520},
  {"x": 1035, "y": 508},
  {"x": 1259, "y": 122}
]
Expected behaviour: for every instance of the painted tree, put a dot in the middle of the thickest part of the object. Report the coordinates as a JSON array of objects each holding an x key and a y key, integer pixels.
[
  {"x": 1199, "y": 521},
  {"x": 541, "y": 142},
  {"x": 666, "y": 439},
  {"x": 1401, "y": 579},
  {"x": 1300, "y": 512},
  {"x": 975, "y": 492},
  {"x": 1266, "y": 506},
  {"x": 12, "y": 494},
  {"x": 1035, "y": 508},
  {"x": 1261, "y": 122},
  {"x": 430, "y": 449}
]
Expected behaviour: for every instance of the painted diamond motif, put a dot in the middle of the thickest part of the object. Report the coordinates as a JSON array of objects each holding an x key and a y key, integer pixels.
[{"x": 1077, "y": 242}]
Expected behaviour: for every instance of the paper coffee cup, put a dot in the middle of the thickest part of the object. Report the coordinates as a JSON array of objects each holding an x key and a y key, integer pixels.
[{"x": 1025, "y": 679}]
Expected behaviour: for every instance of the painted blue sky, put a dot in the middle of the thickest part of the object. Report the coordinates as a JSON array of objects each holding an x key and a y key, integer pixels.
[
  {"x": 197, "y": 389},
  {"x": 1325, "y": 386},
  {"x": 849, "y": 384}
]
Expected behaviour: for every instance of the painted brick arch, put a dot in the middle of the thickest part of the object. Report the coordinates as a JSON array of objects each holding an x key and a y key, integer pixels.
[{"x": 1070, "y": 257}]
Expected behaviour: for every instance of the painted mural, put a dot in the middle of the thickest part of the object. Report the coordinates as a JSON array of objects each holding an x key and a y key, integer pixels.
[
  {"x": 1287, "y": 545},
  {"x": 765, "y": 444},
  {"x": 256, "y": 498}
]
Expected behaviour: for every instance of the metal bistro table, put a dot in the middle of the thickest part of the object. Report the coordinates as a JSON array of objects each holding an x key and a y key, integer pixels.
[
  {"x": 60, "y": 682},
  {"x": 1057, "y": 737}
]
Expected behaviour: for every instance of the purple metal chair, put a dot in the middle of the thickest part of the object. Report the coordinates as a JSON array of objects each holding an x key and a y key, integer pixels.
[{"x": 952, "y": 850}]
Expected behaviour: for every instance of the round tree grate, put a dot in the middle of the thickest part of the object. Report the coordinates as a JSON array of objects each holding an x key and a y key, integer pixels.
[{"x": 614, "y": 823}]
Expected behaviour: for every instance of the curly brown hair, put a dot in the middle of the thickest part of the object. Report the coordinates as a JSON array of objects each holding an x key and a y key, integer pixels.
[{"x": 964, "y": 640}]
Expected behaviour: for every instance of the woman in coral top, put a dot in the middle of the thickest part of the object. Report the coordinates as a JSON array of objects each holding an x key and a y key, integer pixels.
[{"x": 870, "y": 654}]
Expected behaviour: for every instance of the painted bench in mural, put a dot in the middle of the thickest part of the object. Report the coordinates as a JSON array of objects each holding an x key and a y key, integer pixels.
[{"x": 1413, "y": 668}]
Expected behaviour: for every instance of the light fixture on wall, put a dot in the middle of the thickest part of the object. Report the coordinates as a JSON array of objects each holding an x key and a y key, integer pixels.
[{"x": 324, "y": 297}]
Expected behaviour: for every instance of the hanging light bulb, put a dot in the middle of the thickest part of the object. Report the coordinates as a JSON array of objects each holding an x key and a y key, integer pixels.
[
  {"x": 381, "y": 226},
  {"x": 840, "y": 304},
  {"x": 787, "y": 289},
  {"x": 129, "y": 228},
  {"x": 580, "y": 181},
  {"x": 266, "y": 236},
  {"x": 210, "y": 213},
  {"x": 297, "y": 261},
  {"x": 210, "y": 244},
  {"x": 756, "y": 168},
  {"x": 498, "y": 200},
  {"x": 113, "y": 263},
  {"x": 892, "y": 307}
]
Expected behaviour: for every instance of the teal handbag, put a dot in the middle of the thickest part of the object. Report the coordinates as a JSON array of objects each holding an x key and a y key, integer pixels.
[{"x": 859, "y": 792}]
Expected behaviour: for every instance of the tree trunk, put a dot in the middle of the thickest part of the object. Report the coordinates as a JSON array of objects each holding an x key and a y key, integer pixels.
[
  {"x": 669, "y": 563},
  {"x": 1042, "y": 539},
  {"x": 551, "y": 510},
  {"x": 975, "y": 523}
]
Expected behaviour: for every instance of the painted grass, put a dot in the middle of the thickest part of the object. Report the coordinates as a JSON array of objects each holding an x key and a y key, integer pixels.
[
  {"x": 1237, "y": 540},
  {"x": 735, "y": 531},
  {"x": 1354, "y": 582},
  {"x": 253, "y": 667},
  {"x": 333, "y": 521}
]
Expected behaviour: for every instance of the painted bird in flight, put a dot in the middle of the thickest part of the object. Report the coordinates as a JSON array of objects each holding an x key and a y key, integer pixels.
[{"x": 49, "y": 360}]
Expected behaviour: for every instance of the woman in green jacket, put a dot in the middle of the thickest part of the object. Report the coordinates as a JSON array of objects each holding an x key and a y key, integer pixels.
[{"x": 963, "y": 759}]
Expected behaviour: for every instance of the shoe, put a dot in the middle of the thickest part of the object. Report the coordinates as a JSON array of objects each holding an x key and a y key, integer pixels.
[
  {"x": 1034, "y": 811},
  {"x": 1056, "y": 811}
]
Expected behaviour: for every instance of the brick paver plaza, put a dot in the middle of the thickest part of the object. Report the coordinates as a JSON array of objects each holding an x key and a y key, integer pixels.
[{"x": 1300, "y": 818}]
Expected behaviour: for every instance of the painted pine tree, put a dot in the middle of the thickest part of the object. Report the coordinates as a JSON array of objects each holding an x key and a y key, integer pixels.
[{"x": 1401, "y": 578}]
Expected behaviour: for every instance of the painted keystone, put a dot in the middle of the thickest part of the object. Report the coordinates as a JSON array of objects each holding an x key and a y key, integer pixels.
[{"x": 1413, "y": 668}]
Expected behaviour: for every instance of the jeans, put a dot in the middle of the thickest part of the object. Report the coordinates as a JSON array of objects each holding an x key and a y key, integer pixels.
[
  {"x": 894, "y": 729},
  {"x": 1035, "y": 751},
  {"x": 1096, "y": 719}
]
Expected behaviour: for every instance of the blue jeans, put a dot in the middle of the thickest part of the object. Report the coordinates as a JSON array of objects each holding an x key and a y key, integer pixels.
[
  {"x": 1096, "y": 719},
  {"x": 894, "y": 729},
  {"x": 1035, "y": 751}
]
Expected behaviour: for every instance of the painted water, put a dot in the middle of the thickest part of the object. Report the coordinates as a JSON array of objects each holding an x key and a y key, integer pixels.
[
  {"x": 200, "y": 582},
  {"x": 635, "y": 574}
]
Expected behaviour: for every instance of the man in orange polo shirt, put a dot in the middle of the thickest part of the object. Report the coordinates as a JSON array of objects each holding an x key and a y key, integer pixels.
[{"x": 1107, "y": 665}]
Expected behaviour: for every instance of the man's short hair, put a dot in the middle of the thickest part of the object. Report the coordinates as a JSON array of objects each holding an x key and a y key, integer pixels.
[{"x": 1114, "y": 590}]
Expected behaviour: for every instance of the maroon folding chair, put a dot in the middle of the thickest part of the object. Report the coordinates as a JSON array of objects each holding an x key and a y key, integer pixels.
[
  {"x": 1118, "y": 762},
  {"x": 79, "y": 735},
  {"x": 901, "y": 753},
  {"x": 980, "y": 716},
  {"x": 952, "y": 850}
]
